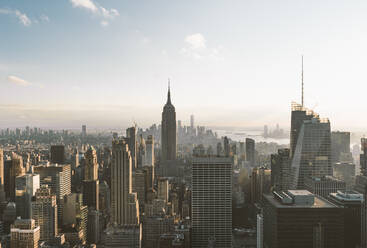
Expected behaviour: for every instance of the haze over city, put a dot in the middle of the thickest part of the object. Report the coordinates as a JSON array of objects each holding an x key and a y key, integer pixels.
[{"x": 107, "y": 62}]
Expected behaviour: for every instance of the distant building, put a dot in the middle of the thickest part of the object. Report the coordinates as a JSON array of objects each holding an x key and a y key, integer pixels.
[
  {"x": 90, "y": 182},
  {"x": 211, "y": 196},
  {"x": 346, "y": 172},
  {"x": 132, "y": 143},
  {"x": 281, "y": 173},
  {"x": 260, "y": 183},
  {"x": 15, "y": 169},
  {"x": 297, "y": 218},
  {"x": 340, "y": 147},
  {"x": 58, "y": 154},
  {"x": 260, "y": 231},
  {"x": 150, "y": 151},
  {"x": 325, "y": 185},
  {"x": 26, "y": 187},
  {"x": 163, "y": 189},
  {"x": 250, "y": 151},
  {"x": 84, "y": 130},
  {"x": 126, "y": 236},
  {"x": 24, "y": 233},
  {"x": 169, "y": 134},
  {"x": 227, "y": 147}
]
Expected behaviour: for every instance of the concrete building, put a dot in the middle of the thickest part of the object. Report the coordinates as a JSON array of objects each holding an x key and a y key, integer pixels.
[
  {"x": 150, "y": 151},
  {"x": 325, "y": 185},
  {"x": 58, "y": 154},
  {"x": 154, "y": 227},
  {"x": 44, "y": 212},
  {"x": 163, "y": 189},
  {"x": 132, "y": 145},
  {"x": 211, "y": 196},
  {"x": 140, "y": 184},
  {"x": 351, "y": 202},
  {"x": 121, "y": 190},
  {"x": 24, "y": 234},
  {"x": 16, "y": 169},
  {"x": 281, "y": 170},
  {"x": 90, "y": 182},
  {"x": 250, "y": 151},
  {"x": 169, "y": 134},
  {"x": 298, "y": 218},
  {"x": 58, "y": 178},
  {"x": 25, "y": 187},
  {"x": 125, "y": 236}
]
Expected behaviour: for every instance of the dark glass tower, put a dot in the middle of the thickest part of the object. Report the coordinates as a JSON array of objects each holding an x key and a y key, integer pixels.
[{"x": 168, "y": 141}]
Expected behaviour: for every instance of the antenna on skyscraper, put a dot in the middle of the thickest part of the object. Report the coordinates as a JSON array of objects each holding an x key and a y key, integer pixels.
[{"x": 302, "y": 82}]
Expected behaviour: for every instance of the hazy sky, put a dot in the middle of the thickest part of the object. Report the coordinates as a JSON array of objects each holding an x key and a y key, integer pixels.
[{"x": 231, "y": 63}]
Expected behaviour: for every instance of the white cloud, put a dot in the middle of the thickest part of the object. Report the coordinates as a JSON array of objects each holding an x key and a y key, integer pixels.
[
  {"x": 97, "y": 9},
  {"x": 196, "y": 48},
  {"x": 87, "y": 4},
  {"x": 18, "y": 81},
  {"x": 22, "y": 17},
  {"x": 45, "y": 18},
  {"x": 196, "y": 41}
]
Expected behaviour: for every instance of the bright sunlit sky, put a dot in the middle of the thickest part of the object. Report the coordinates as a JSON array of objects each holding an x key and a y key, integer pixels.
[{"x": 106, "y": 63}]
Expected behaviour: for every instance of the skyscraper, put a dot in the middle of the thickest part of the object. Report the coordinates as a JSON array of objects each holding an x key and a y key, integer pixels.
[
  {"x": 121, "y": 184},
  {"x": 250, "y": 151},
  {"x": 15, "y": 170},
  {"x": 340, "y": 147},
  {"x": 150, "y": 151},
  {"x": 281, "y": 170},
  {"x": 131, "y": 141},
  {"x": 25, "y": 233},
  {"x": 58, "y": 154},
  {"x": 91, "y": 183},
  {"x": 44, "y": 212},
  {"x": 312, "y": 157},
  {"x": 84, "y": 130},
  {"x": 192, "y": 123},
  {"x": 169, "y": 135},
  {"x": 1, "y": 169},
  {"x": 212, "y": 202}
]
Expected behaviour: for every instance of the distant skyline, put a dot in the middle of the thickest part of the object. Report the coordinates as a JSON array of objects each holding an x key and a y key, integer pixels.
[{"x": 105, "y": 63}]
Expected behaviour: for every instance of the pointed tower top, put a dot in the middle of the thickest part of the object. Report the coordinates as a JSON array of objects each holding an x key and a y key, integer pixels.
[
  {"x": 169, "y": 93},
  {"x": 302, "y": 83}
]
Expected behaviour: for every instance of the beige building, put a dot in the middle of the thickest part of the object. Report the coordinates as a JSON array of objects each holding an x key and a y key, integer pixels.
[{"x": 24, "y": 234}]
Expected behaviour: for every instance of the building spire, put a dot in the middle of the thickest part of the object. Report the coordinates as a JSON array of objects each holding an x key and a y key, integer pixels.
[
  {"x": 302, "y": 83},
  {"x": 169, "y": 92}
]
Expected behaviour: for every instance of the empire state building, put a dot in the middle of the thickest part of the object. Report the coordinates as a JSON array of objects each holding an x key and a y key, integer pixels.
[{"x": 168, "y": 130}]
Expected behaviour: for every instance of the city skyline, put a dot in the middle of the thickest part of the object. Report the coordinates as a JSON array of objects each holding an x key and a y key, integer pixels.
[{"x": 249, "y": 65}]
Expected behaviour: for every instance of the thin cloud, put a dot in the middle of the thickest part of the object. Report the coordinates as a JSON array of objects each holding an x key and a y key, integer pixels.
[
  {"x": 196, "y": 41},
  {"x": 96, "y": 9},
  {"x": 22, "y": 17},
  {"x": 18, "y": 81},
  {"x": 196, "y": 48},
  {"x": 45, "y": 18}
]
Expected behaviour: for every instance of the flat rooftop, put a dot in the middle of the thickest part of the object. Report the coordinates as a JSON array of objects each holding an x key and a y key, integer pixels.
[{"x": 318, "y": 202}]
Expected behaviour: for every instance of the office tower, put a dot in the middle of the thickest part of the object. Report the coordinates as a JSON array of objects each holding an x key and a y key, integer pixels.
[
  {"x": 131, "y": 141},
  {"x": 312, "y": 157},
  {"x": 363, "y": 157},
  {"x": 340, "y": 147},
  {"x": 242, "y": 151},
  {"x": 168, "y": 139},
  {"x": 351, "y": 202},
  {"x": 25, "y": 188},
  {"x": 298, "y": 116},
  {"x": 260, "y": 183},
  {"x": 139, "y": 184},
  {"x": 154, "y": 227},
  {"x": 281, "y": 170},
  {"x": 211, "y": 201},
  {"x": 150, "y": 151},
  {"x": 90, "y": 182},
  {"x": 297, "y": 218},
  {"x": 346, "y": 172},
  {"x": 58, "y": 179},
  {"x": 91, "y": 165},
  {"x": 1, "y": 169},
  {"x": 364, "y": 219},
  {"x": 121, "y": 184},
  {"x": 16, "y": 169},
  {"x": 127, "y": 236},
  {"x": 219, "y": 149},
  {"x": 44, "y": 212},
  {"x": 325, "y": 185},
  {"x": 163, "y": 189},
  {"x": 24, "y": 233},
  {"x": 84, "y": 130},
  {"x": 58, "y": 154},
  {"x": 227, "y": 148},
  {"x": 141, "y": 157},
  {"x": 104, "y": 197},
  {"x": 75, "y": 217},
  {"x": 266, "y": 131},
  {"x": 250, "y": 151},
  {"x": 192, "y": 124},
  {"x": 259, "y": 231},
  {"x": 93, "y": 226},
  {"x": 9, "y": 216}
]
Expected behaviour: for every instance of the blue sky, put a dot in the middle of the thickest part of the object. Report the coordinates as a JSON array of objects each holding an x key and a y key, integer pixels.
[{"x": 106, "y": 62}]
